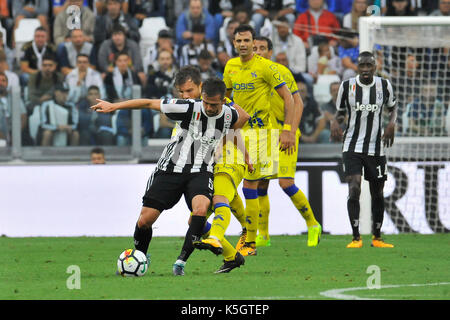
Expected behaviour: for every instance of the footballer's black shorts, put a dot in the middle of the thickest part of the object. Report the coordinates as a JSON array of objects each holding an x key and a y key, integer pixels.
[
  {"x": 165, "y": 189},
  {"x": 371, "y": 167}
]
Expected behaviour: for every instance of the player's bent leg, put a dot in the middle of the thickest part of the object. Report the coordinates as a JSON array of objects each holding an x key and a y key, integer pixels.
[{"x": 251, "y": 216}]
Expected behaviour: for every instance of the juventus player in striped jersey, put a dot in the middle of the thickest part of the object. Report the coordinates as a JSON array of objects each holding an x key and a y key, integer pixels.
[
  {"x": 187, "y": 162},
  {"x": 364, "y": 97}
]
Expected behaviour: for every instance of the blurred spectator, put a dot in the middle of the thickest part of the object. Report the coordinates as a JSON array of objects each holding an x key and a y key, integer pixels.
[
  {"x": 117, "y": 44},
  {"x": 98, "y": 156},
  {"x": 54, "y": 122},
  {"x": 32, "y": 53},
  {"x": 348, "y": 52},
  {"x": 426, "y": 114},
  {"x": 61, "y": 26},
  {"x": 284, "y": 41},
  {"x": 315, "y": 23},
  {"x": 322, "y": 60},
  {"x": 13, "y": 79},
  {"x": 225, "y": 50},
  {"x": 81, "y": 78},
  {"x": 6, "y": 112},
  {"x": 68, "y": 51},
  {"x": 31, "y": 9},
  {"x": 313, "y": 123},
  {"x": 163, "y": 43},
  {"x": 444, "y": 9},
  {"x": 272, "y": 10},
  {"x": 42, "y": 83},
  {"x": 119, "y": 82},
  {"x": 102, "y": 127},
  {"x": 205, "y": 61},
  {"x": 338, "y": 7},
  {"x": 223, "y": 11},
  {"x": 329, "y": 109},
  {"x": 226, "y": 40},
  {"x": 400, "y": 8},
  {"x": 108, "y": 22},
  {"x": 190, "y": 51},
  {"x": 141, "y": 9},
  {"x": 61, "y": 5},
  {"x": 6, "y": 20},
  {"x": 195, "y": 15},
  {"x": 243, "y": 16},
  {"x": 351, "y": 19},
  {"x": 124, "y": 127},
  {"x": 160, "y": 76},
  {"x": 10, "y": 56}
]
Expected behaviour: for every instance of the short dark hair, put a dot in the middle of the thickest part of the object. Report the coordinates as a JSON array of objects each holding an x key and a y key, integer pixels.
[
  {"x": 186, "y": 73},
  {"x": 82, "y": 55},
  {"x": 244, "y": 28},
  {"x": 40, "y": 28},
  {"x": 205, "y": 55},
  {"x": 118, "y": 29},
  {"x": 367, "y": 54},
  {"x": 267, "y": 40},
  {"x": 93, "y": 87},
  {"x": 97, "y": 150},
  {"x": 214, "y": 86},
  {"x": 121, "y": 53},
  {"x": 50, "y": 56}
]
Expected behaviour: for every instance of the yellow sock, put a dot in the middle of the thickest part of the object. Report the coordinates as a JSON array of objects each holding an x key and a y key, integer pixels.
[
  {"x": 238, "y": 210},
  {"x": 251, "y": 213},
  {"x": 221, "y": 220},
  {"x": 300, "y": 201},
  {"x": 229, "y": 252},
  {"x": 264, "y": 210}
]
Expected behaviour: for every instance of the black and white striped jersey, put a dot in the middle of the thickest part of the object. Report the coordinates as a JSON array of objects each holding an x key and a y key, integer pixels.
[
  {"x": 192, "y": 147},
  {"x": 364, "y": 105}
]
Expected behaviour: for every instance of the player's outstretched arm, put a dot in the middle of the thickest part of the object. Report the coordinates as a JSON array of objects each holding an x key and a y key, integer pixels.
[{"x": 106, "y": 107}]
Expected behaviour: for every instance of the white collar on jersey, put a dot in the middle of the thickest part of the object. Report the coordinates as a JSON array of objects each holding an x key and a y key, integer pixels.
[
  {"x": 365, "y": 85},
  {"x": 215, "y": 117}
]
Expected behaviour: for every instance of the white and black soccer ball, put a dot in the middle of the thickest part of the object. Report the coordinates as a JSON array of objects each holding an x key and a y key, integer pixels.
[{"x": 132, "y": 263}]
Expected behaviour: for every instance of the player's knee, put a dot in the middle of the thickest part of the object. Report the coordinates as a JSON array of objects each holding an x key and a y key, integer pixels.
[
  {"x": 147, "y": 217},
  {"x": 285, "y": 183},
  {"x": 354, "y": 192},
  {"x": 199, "y": 211}
]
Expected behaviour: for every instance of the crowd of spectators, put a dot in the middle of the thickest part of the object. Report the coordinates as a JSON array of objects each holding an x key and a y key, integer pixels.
[{"x": 63, "y": 70}]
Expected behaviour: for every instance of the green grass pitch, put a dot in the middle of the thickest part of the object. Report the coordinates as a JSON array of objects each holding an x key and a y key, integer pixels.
[{"x": 417, "y": 268}]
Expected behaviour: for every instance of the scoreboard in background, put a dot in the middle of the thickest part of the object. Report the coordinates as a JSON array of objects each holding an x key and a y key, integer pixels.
[{"x": 89, "y": 200}]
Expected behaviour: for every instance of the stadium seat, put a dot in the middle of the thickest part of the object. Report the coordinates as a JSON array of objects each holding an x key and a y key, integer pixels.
[
  {"x": 321, "y": 93},
  {"x": 322, "y": 87},
  {"x": 405, "y": 119},
  {"x": 24, "y": 33},
  {"x": 149, "y": 32},
  {"x": 34, "y": 121}
]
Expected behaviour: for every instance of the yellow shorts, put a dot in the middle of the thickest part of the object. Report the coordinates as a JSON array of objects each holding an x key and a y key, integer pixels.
[
  {"x": 235, "y": 172},
  {"x": 262, "y": 145},
  {"x": 287, "y": 164}
]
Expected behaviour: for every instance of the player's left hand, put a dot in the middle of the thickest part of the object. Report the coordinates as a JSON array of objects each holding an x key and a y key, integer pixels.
[
  {"x": 249, "y": 163},
  {"x": 103, "y": 106},
  {"x": 287, "y": 142},
  {"x": 388, "y": 136}
]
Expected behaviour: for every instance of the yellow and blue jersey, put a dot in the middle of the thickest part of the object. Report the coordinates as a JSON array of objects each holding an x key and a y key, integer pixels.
[
  {"x": 252, "y": 82},
  {"x": 276, "y": 102}
]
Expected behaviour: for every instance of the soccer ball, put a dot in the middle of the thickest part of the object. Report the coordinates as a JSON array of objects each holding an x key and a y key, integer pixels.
[{"x": 132, "y": 263}]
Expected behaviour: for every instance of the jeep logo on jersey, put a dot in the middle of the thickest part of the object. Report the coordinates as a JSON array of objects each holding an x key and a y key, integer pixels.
[
  {"x": 366, "y": 107},
  {"x": 244, "y": 86}
]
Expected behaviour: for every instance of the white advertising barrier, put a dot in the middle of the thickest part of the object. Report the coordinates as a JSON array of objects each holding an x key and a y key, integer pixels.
[{"x": 105, "y": 200}]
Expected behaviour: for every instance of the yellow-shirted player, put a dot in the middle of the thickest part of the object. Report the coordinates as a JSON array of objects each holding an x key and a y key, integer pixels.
[
  {"x": 228, "y": 174},
  {"x": 287, "y": 163},
  {"x": 249, "y": 79}
]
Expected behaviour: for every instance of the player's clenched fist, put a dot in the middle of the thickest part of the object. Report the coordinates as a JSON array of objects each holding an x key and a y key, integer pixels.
[{"x": 103, "y": 106}]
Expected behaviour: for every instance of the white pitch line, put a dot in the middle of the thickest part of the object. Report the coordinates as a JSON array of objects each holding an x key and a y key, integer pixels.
[{"x": 340, "y": 293}]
